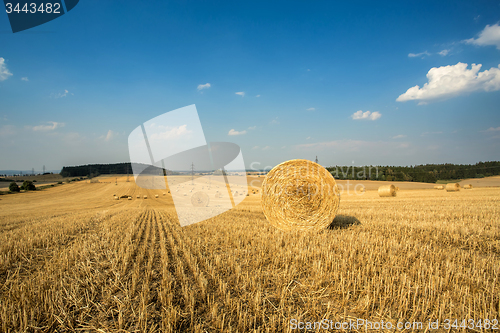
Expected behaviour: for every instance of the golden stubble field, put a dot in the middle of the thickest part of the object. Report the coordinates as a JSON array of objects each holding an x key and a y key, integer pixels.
[{"x": 74, "y": 259}]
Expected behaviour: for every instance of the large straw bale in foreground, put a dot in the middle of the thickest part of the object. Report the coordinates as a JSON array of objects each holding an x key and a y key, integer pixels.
[
  {"x": 387, "y": 191},
  {"x": 300, "y": 195},
  {"x": 452, "y": 187}
]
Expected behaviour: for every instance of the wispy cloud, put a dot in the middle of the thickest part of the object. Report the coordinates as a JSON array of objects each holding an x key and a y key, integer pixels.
[
  {"x": 367, "y": 115},
  {"x": 493, "y": 129},
  {"x": 251, "y": 128},
  {"x": 257, "y": 96},
  {"x": 419, "y": 55},
  {"x": 400, "y": 136},
  {"x": 311, "y": 109},
  {"x": 4, "y": 71},
  {"x": 241, "y": 93},
  {"x": 450, "y": 81},
  {"x": 261, "y": 148},
  {"x": 109, "y": 136},
  {"x": 351, "y": 145},
  {"x": 7, "y": 130},
  {"x": 489, "y": 36},
  {"x": 234, "y": 132},
  {"x": 47, "y": 128},
  {"x": 24, "y": 79},
  {"x": 275, "y": 121},
  {"x": 60, "y": 95},
  {"x": 429, "y": 133},
  {"x": 444, "y": 52},
  {"x": 203, "y": 86}
]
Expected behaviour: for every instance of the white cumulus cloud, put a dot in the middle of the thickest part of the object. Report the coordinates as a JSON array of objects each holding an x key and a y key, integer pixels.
[
  {"x": 24, "y": 79},
  {"x": 367, "y": 115},
  {"x": 204, "y": 86},
  {"x": 450, "y": 81},
  {"x": 234, "y": 132},
  {"x": 489, "y": 36},
  {"x": 45, "y": 128},
  {"x": 493, "y": 129},
  {"x": 400, "y": 136},
  {"x": 241, "y": 93},
  {"x": 4, "y": 71}
]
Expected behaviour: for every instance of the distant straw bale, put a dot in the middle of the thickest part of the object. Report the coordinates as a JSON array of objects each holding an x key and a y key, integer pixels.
[
  {"x": 387, "y": 191},
  {"x": 300, "y": 195},
  {"x": 452, "y": 187},
  {"x": 439, "y": 187},
  {"x": 467, "y": 186},
  {"x": 200, "y": 199}
]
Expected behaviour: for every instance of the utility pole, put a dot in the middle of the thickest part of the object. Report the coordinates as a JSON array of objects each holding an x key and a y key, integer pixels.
[{"x": 316, "y": 159}]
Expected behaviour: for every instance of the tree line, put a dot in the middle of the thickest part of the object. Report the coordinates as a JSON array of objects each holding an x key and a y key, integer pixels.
[
  {"x": 94, "y": 170},
  {"x": 428, "y": 173}
]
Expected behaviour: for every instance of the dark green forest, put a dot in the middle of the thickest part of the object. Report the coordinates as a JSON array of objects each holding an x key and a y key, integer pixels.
[
  {"x": 428, "y": 173},
  {"x": 94, "y": 170}
]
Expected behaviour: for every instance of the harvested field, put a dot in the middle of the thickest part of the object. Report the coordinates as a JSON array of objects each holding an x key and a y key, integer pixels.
[{"x": 79, "y": 260}]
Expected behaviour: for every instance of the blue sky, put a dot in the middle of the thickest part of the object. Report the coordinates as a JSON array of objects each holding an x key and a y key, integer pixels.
[{"x": 73, "y": 89}]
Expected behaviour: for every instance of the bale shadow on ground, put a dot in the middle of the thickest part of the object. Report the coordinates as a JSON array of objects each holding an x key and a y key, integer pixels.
[{"x": 343, "y": 222}]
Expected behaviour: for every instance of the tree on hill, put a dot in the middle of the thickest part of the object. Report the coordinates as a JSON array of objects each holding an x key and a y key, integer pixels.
[{"x": 13, "y": 187}]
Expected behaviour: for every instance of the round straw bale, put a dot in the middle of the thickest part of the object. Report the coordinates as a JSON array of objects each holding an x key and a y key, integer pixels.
[
  {"x": 452, "y": 187},
  {"x": 439, "y": 187},
  {"x": 200, "y": 199},
  {"x": 467, "y": 186},
  {"x": 397, "y": 188},
  {"x": 163, "y": 193},
  {"x": 138, "y": 197},
  {"x": 145, "y": 197},
  {"x": 387, "y": 191},
  {"x": 130, "y": 198},
  {"x": 116, "y": 198},
  {"x": 156, "y": 195},
  {"x": 300, "y": 195}
]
